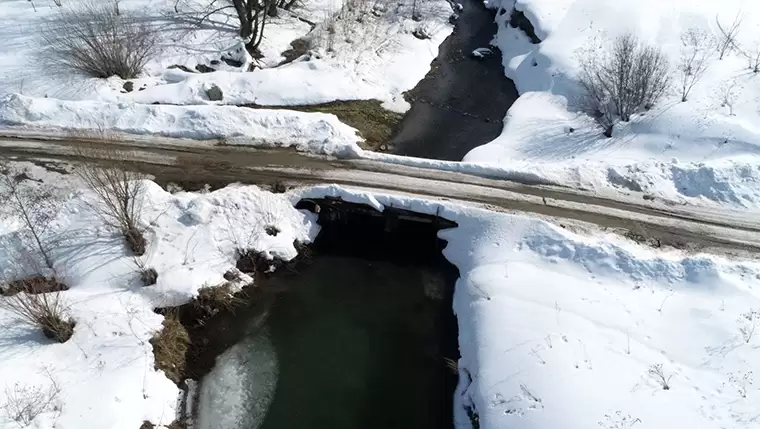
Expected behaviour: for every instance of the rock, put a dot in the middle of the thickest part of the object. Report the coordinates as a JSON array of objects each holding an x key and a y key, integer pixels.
[
  {"x": 215, "y": 62},
  {"x": 453, "y": 18},
  {"x": 232, "y": 62},
  {"x": 214, "y": 93},
  {"x": 181, "y": 67},
  {"x": 203, "y": 68},
  {"x": 129, "y": 86}
]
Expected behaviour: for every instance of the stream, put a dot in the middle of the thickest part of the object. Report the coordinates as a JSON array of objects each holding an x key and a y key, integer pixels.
[
  {"x": 355, "y": 338},
  {"x": 462, "y": 102}
]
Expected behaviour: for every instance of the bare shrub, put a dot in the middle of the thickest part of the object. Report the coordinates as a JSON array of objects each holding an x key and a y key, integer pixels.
[
  {"x": 749, "y": 322},
  {"x": 35, "y": 205},
  {"x": 120, "y": 189},
  {"x": 619, "y": 421},
  {"x": 728, "y": 35},
  {"x": 45, "y": 311},
  {"x": 170, "y": 346},
  {"x": 696, "y": 50},
  {"x": 99, "y": 40},
  {"x": 623, "y": 79},
  {"x": 656, "y": 372},
  {"x": 24, "y": 403},
  {"x": 729, "y": 93},
  {"x": 752, "y": 54},
  {"x": 741, "y": 382}
]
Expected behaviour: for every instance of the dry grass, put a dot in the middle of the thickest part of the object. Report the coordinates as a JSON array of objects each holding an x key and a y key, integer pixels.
[
  {"x": 216, "y": 298},
  {"x": 148, "y": 276},
  {"x": 34, "y": 284},
  {"x": 45, "y": 311},
  {"x": 170, "y": 346}
]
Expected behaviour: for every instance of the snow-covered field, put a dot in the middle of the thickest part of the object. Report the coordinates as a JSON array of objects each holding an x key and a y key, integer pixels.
[
  {"x": 701, "y": 151},
  {"x": 558, "y": 327}
]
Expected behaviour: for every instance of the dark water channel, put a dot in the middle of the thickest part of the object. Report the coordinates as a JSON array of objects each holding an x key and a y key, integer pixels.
[
  {"x": 355, "y": 338},
  {"x": 462, "y": 101}
]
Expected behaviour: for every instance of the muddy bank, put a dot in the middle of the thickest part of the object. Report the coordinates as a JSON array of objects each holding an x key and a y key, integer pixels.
[{"x": 462, "y": 101}]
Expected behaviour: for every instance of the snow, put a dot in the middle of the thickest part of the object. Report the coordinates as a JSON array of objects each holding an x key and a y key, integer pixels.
[
  {"x": 105, "y": 373},
  {"x": 556, "y": 328},
  {"x": 378, "y": 59},
  {"x": 699, "y": 151},
  {"x": 315, "y": 132}
]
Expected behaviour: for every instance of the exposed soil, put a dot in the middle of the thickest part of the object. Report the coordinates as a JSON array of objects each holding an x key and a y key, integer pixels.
[
  {"x": 33, "y": 285},
  {"x": 375, "y": 123}
]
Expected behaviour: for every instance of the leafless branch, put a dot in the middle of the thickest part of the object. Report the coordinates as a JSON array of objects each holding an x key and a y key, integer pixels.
[
  {"x": 728, "y": 35},
  {"x": 696, "y": 50}
]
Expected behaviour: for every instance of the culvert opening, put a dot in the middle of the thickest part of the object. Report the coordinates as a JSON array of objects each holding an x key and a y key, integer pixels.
[{"x": 362, "y": 335}]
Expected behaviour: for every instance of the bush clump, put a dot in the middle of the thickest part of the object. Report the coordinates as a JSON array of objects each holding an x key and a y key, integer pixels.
[
  {"x": 98, "y": 39},
  {"x": 45, "y": 311}
]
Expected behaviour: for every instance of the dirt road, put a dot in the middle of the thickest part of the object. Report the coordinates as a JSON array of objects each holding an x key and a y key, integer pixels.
[{"x": 195, "y": 164}]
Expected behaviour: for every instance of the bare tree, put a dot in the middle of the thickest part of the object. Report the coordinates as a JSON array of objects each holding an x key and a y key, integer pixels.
[
  {"x": 251, "y": 15},
  {"x": 728, "y": 35},
  {"x": 620, "y": 81},
  {"x": 696, "y": 50},
  {"x": 45, "y": 311},
  {"x": 98, "y": 39},
  {"x": 120, "y": 189},
  {"x": 35, "y": 206}
]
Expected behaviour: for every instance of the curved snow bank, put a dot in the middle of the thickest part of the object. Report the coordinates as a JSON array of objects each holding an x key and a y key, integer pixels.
[
  {"x": 559, "y": 330},
  {"x": 314, "y": 132}
]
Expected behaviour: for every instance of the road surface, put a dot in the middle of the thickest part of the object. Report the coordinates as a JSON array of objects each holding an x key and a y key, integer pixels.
[{"x": 193, "y": 164}]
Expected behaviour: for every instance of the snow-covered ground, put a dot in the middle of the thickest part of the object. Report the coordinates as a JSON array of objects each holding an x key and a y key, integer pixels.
[
  {"x": 376, "y": 59},
  {"x": 558, "y": 327},
  {"x": 700, "y": 151},
  {"x": 312, "y": 132}
]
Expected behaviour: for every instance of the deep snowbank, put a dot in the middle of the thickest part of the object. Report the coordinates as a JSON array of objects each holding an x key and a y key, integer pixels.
[
  {"x": 700, "y": 148},
  {"x": 313, "y": 132}
]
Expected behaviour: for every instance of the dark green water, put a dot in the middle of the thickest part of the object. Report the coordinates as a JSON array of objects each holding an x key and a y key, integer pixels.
[
  {"x": 358, "y": 346},
  {"x": 354, "y": 339}
]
